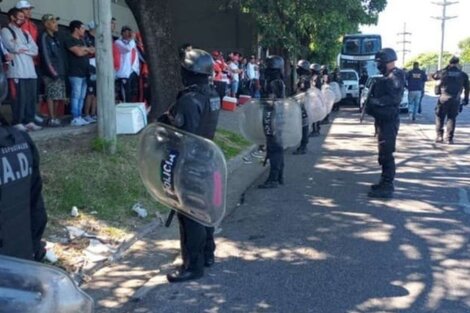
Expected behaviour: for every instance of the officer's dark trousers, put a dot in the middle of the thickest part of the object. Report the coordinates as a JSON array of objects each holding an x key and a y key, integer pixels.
[
  {"x": 387, "y": 132},
  {"x": 275, "y": 154},
  {"x": 448, "y": 109},
  {"x": 197, "y": 243},
  {"x": 304, "y": 141}
]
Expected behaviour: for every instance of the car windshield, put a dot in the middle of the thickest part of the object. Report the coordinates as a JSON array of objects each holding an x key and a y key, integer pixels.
[{"x": 348, "y": 76}]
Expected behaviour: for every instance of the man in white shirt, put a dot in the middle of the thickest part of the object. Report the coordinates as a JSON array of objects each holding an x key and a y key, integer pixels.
[
  {"x": 252, "y": 71},
  {"x": 235, "y": 71},
  {"x": 129, "y": 70}
]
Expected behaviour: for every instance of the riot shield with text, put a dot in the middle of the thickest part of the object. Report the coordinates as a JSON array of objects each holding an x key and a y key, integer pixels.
[
  {"x": 280, "y": 118},
  {"x": 315, "y": 105},
  {"x": 185, "y": 172},
  {"x": 32, "y": 287}
]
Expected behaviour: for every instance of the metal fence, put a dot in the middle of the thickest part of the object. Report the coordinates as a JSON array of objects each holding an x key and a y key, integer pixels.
[{"x": 430, "y": 69}]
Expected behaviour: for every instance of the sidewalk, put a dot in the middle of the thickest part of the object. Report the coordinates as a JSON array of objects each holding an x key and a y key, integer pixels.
[
  {"x": 117, "y": 283},
  {"x": 320, "y": 245}
]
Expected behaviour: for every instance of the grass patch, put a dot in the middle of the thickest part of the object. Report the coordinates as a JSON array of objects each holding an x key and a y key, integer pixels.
[
  {"x": 77, "y": 172},
  {"x": 230, "y": 143},
  {"x": 103, "y": 187}
]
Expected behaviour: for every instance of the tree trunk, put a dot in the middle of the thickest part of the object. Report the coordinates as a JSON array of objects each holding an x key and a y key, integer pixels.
[{"x": 155, "y": 24}]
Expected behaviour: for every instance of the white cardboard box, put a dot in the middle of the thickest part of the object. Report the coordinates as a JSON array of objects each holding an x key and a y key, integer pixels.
[{"x": 130, "y": 117}]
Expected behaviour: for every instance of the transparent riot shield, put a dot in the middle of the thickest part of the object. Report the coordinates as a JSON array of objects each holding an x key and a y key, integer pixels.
[
  {"x": 3, "y": 85},
  {"x": 334, "y": 86},
  {"x": 300, "y": 99},
  {"x": 31, "y": 287},
  {"x": 280, "y": 118},
  {"x": 329, "y": 96},
  {"x": 183, "y": 171},
  {"x": 315, "y": 105}
]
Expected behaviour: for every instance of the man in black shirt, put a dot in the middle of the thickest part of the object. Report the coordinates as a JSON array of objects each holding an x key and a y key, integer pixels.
[
  {"x": 78, "y": 54},
  {"x": 452, "y": 82}
]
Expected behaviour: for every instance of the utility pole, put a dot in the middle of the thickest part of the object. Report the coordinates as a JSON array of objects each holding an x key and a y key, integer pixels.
[
  {"x": 105, "y": 75},
  {"x": 404, "y": 42},
  {"x": 443, "y": 20}
]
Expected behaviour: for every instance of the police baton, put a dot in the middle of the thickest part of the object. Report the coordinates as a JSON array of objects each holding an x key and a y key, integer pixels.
[{"x": 169, "y": 218}]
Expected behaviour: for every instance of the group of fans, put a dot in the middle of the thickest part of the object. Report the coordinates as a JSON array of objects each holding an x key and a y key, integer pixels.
[{"x": 44, "y": 64}]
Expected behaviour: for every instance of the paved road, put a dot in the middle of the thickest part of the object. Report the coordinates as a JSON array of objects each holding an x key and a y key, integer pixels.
[{"x": 318, "y": 244}]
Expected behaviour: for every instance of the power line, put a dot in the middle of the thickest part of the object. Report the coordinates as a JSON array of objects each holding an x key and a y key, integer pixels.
[
  {"x": 443, "y": 20},
  {"x": 404, "y": 42}
]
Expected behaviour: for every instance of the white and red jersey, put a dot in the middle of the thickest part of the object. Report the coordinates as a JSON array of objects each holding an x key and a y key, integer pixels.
[{"x": 129, "y": 60}]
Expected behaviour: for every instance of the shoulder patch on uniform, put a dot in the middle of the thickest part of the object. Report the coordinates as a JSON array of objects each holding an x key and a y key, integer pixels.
[
  {"x": 179, "y": 120},
  {"x": 215, "y": 104}
]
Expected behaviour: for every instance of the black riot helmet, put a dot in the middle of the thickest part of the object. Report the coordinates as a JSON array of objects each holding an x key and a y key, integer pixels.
[
  {"x": 315, "y": 68},
  {"x": 383, "y": 57},
  {"x": 198, "y": 61},
  {"x": 303, "y": 64},
  {"x": 386, "y": 55},
  {"x": 275, "y": 62}
]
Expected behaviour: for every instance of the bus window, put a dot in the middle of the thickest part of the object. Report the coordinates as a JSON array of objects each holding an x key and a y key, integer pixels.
[
  {"x": 351, "y": 46},
  {"x": 370, "y": 45}
]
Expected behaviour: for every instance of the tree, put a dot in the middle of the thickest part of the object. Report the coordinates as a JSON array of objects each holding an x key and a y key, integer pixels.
[
  {"x": 308, "y": 28},
  {"x": 427, "y": 59},
  {"x": 464, "y": 46},
  {"x": 154, "y": 20}
]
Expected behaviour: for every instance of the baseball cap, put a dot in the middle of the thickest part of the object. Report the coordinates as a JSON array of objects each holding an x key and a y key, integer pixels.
[
  {"x": 23, "y": 4},
  {"x": 454, "y": 60},
  {"x": 91, "y": 25},
  {"x": 49, "y": 17}
]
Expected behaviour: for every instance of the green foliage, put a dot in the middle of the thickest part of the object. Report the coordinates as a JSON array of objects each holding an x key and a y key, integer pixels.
[
  {"x": 230, "y": 143},
  {"x": 428, "y": 59},
  {"x": 309, "y": 28},
  {"x": 464, "y": 46}
]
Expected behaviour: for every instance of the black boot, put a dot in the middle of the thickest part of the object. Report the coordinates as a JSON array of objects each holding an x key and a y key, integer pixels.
[
  {"x": 380, "y": 184},
  {"x": 269, "y": 184},
  {"x": 209, "y": 260},
  {"x": 384, "y": 191},
  {"x": 439, "y": 139},
  {"x": 300, "y": 150},
  {"x": 182, "y": 275}
]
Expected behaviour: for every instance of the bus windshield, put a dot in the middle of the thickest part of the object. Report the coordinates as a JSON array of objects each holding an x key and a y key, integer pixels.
[{"x": 361, "y": 45}]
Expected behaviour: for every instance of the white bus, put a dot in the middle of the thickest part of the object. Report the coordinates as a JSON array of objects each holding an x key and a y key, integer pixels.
[{"x": 358, "y": 52}]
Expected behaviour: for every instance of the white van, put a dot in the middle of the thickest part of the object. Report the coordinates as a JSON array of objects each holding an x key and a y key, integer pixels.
[{"x": 350, "y": 80}]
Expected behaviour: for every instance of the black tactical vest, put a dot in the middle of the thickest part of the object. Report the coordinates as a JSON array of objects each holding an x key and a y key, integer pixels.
[
  {"x": 210, "y": 100},
  {"x": 15, "y": 188}
]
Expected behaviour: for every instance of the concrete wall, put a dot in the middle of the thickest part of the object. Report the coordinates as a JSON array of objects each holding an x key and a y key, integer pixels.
[
  {"x": 69, "y": 10},
  {"x": 208, "y": 28}
]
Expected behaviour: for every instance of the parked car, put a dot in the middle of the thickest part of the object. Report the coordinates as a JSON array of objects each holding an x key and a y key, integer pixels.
[
  {"x": 365, "y": 92},
  {"x": 350, "y": 80}
]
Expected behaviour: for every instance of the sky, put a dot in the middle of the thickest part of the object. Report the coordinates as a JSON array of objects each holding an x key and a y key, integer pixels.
[{"x": 426, "y": 31}]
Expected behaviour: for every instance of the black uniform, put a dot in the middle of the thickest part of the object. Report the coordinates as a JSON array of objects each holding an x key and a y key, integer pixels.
[
  {"x": 303, "y": 85},
  {"x": 453, "y": 80},
  {"x": 23, "y": 216},
  {"x": 196, "y": 111},
  {"x": 274, "y": 150},
  {"x": 317, "y": 82},
  {"x": 384, "y": 106}
]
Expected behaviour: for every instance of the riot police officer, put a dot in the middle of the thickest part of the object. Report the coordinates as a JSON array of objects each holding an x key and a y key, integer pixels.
[
  {"x": 23, "y": 215},
  {"x": 317, "y": 83},
  {"x": 275, "y": 89},
  {"x": 452, "y": 82},
  {"x": 303, "y": 84},
  {"x": 196, "y": 110},
  {"x": 384, "y": 106}
]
